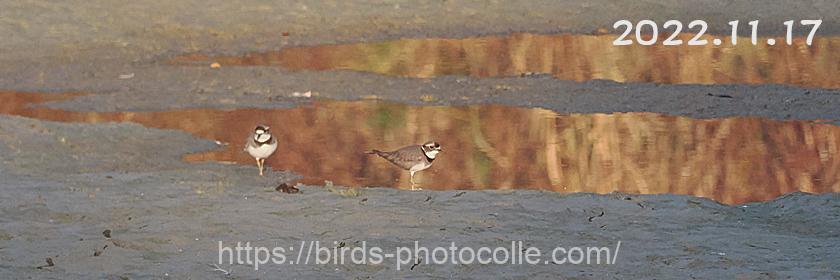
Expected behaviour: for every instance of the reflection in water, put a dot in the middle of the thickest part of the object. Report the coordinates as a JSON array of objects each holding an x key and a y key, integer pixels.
[
  {"x": 567, "y": 57},
  {"x": 732, "y": 160}
]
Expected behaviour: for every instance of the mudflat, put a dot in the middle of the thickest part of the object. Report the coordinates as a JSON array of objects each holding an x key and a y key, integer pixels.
[{"x": 67, "y": 182}]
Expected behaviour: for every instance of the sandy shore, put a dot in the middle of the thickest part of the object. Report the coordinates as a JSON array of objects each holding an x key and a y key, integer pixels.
[
  {"x": 63, "y": 184},
  {"x": 166, "y": 217}
]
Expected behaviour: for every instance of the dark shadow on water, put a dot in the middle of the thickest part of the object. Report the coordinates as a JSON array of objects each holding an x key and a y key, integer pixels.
[{"x": 732, "y": 160}]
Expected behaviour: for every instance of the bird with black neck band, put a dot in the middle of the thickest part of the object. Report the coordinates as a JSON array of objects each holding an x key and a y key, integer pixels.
[
  {"x": 261, "y": 145},
  {"x": 413, "y": 158}
]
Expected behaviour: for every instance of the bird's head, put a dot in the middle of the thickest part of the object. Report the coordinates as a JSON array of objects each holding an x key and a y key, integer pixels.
[
  {"x": 431, "y": 149},
  {"x": 262, "y": 133}
]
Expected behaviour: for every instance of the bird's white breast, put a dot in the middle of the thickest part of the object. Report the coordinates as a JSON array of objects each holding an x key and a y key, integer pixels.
[{"x": 262, "y": 151}]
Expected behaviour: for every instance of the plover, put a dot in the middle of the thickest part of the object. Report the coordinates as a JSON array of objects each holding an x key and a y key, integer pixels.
[
  {"x": 261, "y": 145},
  {"x": 413, "y": 158}
]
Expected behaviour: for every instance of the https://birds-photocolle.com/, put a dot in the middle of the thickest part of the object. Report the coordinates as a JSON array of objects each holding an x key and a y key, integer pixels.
[
  {"x": 261, "y": 145},
  {"x": 413, "y": 158}
]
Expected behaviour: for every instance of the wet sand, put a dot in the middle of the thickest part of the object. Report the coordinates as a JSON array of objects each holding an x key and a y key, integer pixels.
[{"x": 63, "y": 184}]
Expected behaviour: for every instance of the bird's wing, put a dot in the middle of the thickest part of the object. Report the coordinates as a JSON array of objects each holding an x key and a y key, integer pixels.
[
  {"x": 249, "y": 143},
  {"x": 408, "y": 154}
]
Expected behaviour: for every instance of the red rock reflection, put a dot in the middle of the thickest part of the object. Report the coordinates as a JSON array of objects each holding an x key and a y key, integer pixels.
[
  {"x": 567, "y": 57},
  {"x": 732, "y": 160}
]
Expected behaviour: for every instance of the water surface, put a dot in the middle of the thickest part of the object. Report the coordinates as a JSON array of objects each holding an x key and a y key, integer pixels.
[
  {"x": 732, "y": 160},
  {"x": 567, "y": 57}
]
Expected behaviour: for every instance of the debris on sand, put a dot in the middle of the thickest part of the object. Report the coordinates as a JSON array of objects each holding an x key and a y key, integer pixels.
[
  {"x": 598, "y": 216},
  {"x": 126, "y": 76},
  {"x": 215, "y": 65},
  {"x": 126, "y": 245},
  {"x": 429, "y": 98},
  {"x": 98, "y": 252},
  {"x": 285, "y": 188},
  {"x": 503, "y": 87},
  {"x": 419, "y": 260},
  {"x": 306, "y": 94},
  {"x": 219, "y": 269},
  {"x": 107, "y": 233},
  {"x": 348, "y": 192},
  {"x": 600, "y": 31},
  {"x": 719, "y": 95},
  {"x": 50, "y": 263}
]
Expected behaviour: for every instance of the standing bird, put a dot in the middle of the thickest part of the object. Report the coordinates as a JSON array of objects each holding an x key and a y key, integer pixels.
[
  {"x": 412, "y": 158},
  {"x": 261, "y": 145}
]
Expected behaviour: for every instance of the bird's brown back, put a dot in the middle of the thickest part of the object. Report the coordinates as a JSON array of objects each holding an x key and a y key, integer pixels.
[{"x": 405, "y": 157}]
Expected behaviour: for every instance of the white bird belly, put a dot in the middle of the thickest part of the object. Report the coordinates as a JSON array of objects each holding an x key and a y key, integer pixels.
[
  {"x": 262, "y": 151},
  {"x": 420, "y": 167}
]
